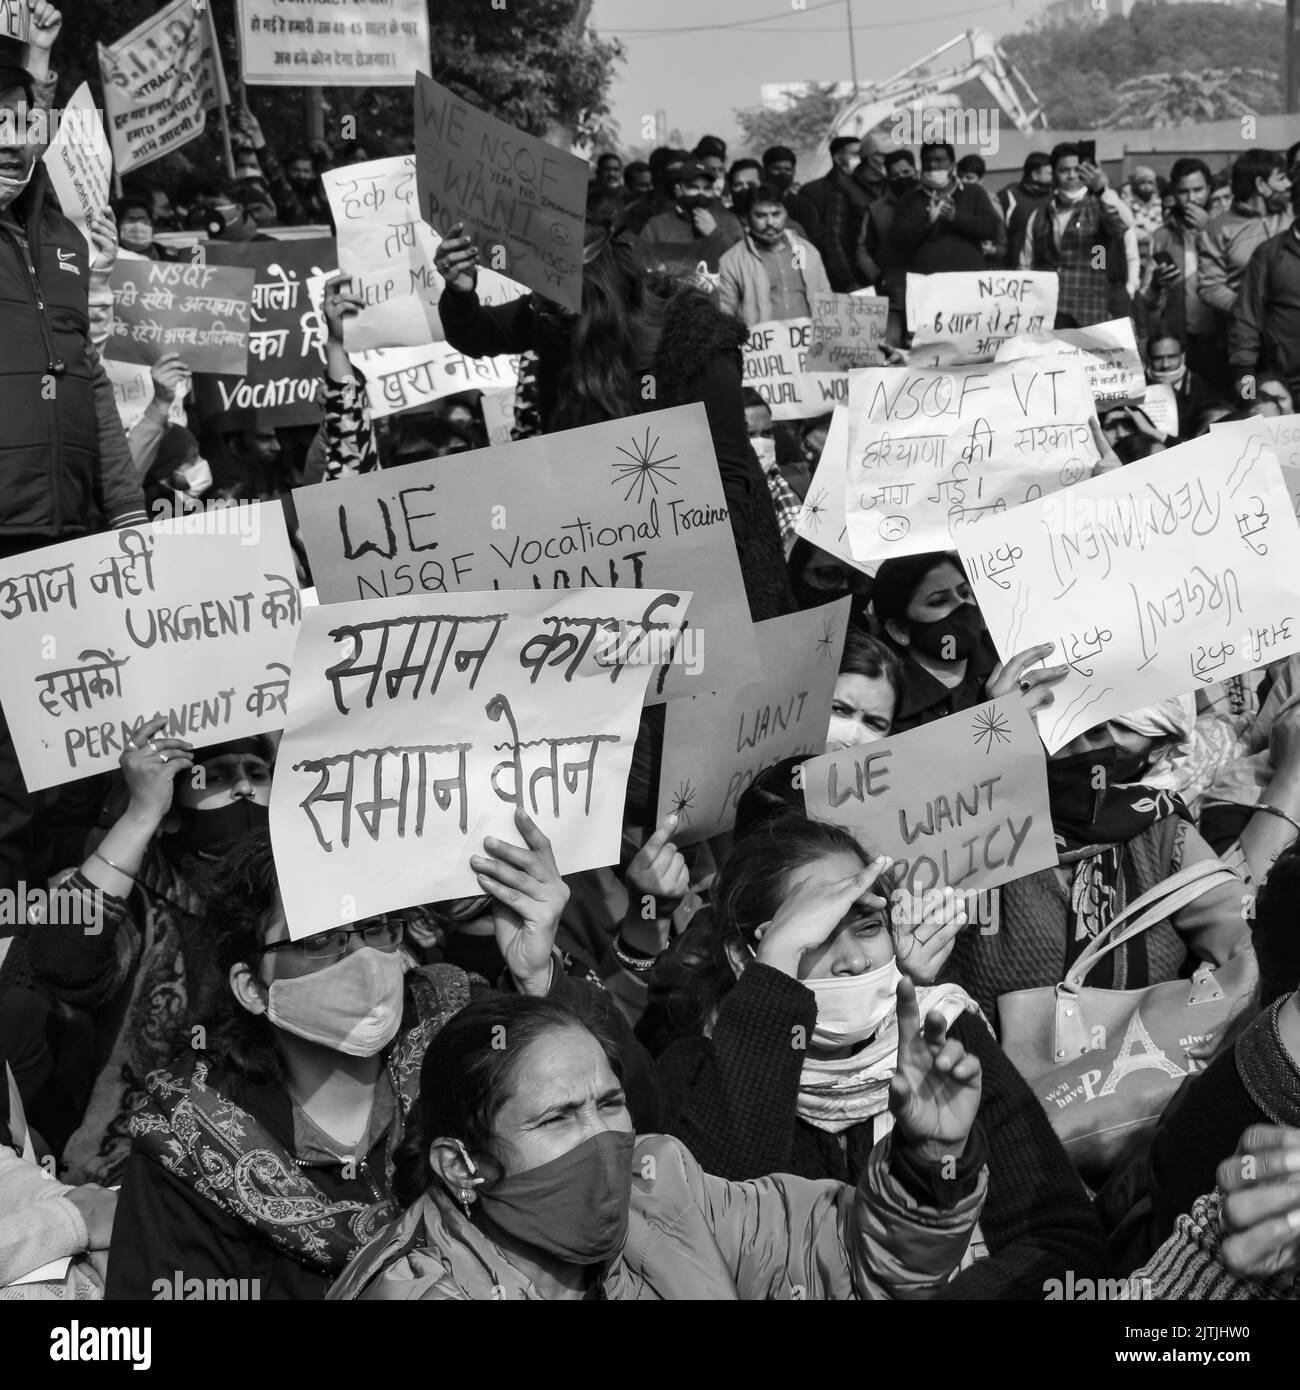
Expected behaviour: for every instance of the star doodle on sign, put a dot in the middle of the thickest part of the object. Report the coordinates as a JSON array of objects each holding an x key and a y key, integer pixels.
[
  {"x": 991, "y": 724},
  {"x": 645, "y": 470},
  {"x": 683, "y": 800},
  {"x": 814, "y": 508},
  {"x": 825, "y": 644}
]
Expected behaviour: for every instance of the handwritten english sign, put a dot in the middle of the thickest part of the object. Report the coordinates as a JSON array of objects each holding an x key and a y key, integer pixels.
[
  {"x": 962, "y": 316},
  {"x": 1152, "y": 580},
  {"x": 202, "y": 312},
  {"x": 522, "y": 200},
  {"x": 1108, "y": 351},
  {"x": 193, "y": 618},
  {"x": 419, "y": 725},
  {"x": 961, "y": 803},
  {"x": 633, "y": 503},
  {"x": 776, "y": 366},
  {"x": 715, "y": 745},
  {"x": 935, "y": 451},
  {"x": 847, "y": 331}
]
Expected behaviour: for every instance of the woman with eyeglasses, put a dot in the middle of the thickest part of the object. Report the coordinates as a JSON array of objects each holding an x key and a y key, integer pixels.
[{"x": 266, "y": 1152}]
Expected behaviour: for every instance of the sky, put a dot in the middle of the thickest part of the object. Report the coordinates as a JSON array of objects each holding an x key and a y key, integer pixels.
[{"x": 700, "y": 77}]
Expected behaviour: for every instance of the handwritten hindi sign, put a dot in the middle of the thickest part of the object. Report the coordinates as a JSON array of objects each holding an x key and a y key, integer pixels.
[
  {"x": 193, "y": 618},
  {"x": 776, "y": 366},
  {"x": 1152, "y": 579},
  {"x": 715, "y": 745},
  {"x": 406, "y": 378},
  {"x": 821, "y": 519},
  {"x": 962, "y": 316},
  {"x": 629, "y": 503},
  {"x": 388, "y": 249},
  {"x": 418, "y": 725},
  {"x": 960, "y": 803},
  {"x": 1280, "y": 432},
  {"x": 286, "y": 339},
  {"x": 522, "y": 200},
  {"x": 935, "y": 451},
  {"x": 1160, "y": 406},
  {"x": 1109, "y": 353},
  {"x": 202, "y": 312},
  {"x": 80, "y": 162},
  {"x": 133, "y": 390},
  {"x": 160, "y": 81},
  {"x": 370, "y": 43},
  {"x": 498, "y": 415},
  {"x": 14, "y": 20},
  {"x": 847, "y": 330}
]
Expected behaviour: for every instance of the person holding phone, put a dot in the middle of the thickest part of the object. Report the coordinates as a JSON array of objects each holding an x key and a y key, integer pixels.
[
  {"x": 1170, "y": 295},
  {"x": 1084, "y": 217}
]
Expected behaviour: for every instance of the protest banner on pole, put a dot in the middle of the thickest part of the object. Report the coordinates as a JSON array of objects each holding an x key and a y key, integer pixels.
[
  {"x": 821, "y": 520},
  {"x": 1109, "y": 353},
  {"x": 715, "y": 745},
  {"x": 295, "y": 43},
  {"x": 193, "y": 617},
  {"x": 388, "y": 250},
  {"x": 1280, "y": 432},
  {"x": 286, "y": 339},
  {"x": 160, "y": 81},
  {"x": 133, "y": 389},
  {"x": 202, "y": 312},
  {"x": 776, "y": 366},
  {"x": 418, "y": 725},
  {"x": 1151, "y": 580},
  {"x": 631, "y": 503},
  {"x": 935, "y": 451},
  {"x": 961, "y": 803},
  {"x": 522, "y": 200},
  {"x": 15, "y": 20},
  {"x": 80, "y": 162},
  {"x": 959, "y": 317},
  {"x": 847, "y": 331}
]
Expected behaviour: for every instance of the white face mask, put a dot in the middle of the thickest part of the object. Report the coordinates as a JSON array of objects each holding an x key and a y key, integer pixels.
[
  {"x": 766, "y": 451},
  {"x": 847, "y": 732},
  {"x": 851, "y": 1008},
  {"x": 1073, "y": 195},
  {"x": 11, "y": 188},
  {"x": 353, "y": 1005},
  {"x": 1174, "y": 377},
  {"x": 936, "y": 178},
  {"x": 198, "y": 477}
]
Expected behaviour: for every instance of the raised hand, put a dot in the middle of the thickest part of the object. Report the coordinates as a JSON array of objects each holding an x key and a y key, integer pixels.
[
  {"x": 935, "y": 1092},
  {"x": 812, "y": 912},
  {"x": 1261, "y": 1203},
  {"x": 925, "y": 928}
]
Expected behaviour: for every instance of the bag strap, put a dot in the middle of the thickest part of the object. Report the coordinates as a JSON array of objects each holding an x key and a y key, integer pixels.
[{"x": 1154, "y": 906}]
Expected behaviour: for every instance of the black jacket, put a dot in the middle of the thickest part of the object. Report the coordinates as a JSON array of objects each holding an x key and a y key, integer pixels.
[{"x": 950, "y": 243}]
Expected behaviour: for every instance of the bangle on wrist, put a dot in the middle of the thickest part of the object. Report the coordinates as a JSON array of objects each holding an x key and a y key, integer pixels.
[
  {"x": 1280, "y": 814},
  {"x": 104, "y": 859},
  {"x": 630, "y": 958}
]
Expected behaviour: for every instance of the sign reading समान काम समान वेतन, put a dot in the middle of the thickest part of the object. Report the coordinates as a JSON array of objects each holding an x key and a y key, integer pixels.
[
  {"x": 202, "y": 312},
  {"x": 959, "y": 317},
  {"x": 714, "y": 746},
  {"x": 935, "y": 451},
  {"x": 626, "y": 504},
  {"x": 1167, "y": 575},
  {"x": 419, "y": 725},
  {"x": 1109, "y": 353},
  {"x": 775, "y": 364},
  {"x": 960, "y": 802},
  {"x": 368, "y": 43},
  {"x": 193, "y": 617},
  {"x": 523, "y": 201}
]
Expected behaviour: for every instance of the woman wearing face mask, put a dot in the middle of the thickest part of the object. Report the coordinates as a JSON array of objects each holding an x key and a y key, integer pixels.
[
  {"x": 803, "y": 947},
  {"x": 528, "y": 1181},
  {"x": 135, "y": 229},
  {"x": 179, "y": 476},
  {"x": 867, "y": 692},
  {"x": 818, "y": 577},
  {"x": 927, "y": 613}
]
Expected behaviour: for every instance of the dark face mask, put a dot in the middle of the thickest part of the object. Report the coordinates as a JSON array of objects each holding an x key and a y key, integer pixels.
[
  {"x": 215, "y": 829},
  {"x": 1075, "y": 789},
  {"x": 900, "y": 183},
  {"x": 689, "y": 201},
  {"x": 953, "y": 638}
]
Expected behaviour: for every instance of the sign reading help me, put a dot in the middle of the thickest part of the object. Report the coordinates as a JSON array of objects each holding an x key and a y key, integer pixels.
[
  {"x": 522, "y": 200},
  {"x": 628, "y": 504},
  {"x": 1151, "y": 580},
  {"x": 934, "y": 452},
  {"x": 715, "y": 745},
  {"x": 960, "y": 803},
  {"x": 418, "y": 725},
  {"x": 193, "y": 618}
]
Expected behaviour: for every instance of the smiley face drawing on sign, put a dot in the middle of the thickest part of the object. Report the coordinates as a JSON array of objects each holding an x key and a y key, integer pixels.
[
  {"x": 560, "y": 234},
  {"x": 1073, "y": 471},
  {"x": 894, "y": 528}
]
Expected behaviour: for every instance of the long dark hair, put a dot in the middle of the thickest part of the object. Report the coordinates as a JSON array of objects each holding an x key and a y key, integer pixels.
[
  {"x": 1274, "y": 934},
  {"x": 469, "y": 1073}
]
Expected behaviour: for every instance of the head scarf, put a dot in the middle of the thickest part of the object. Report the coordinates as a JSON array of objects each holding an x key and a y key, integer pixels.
[{"x": 1171, "y": 723}]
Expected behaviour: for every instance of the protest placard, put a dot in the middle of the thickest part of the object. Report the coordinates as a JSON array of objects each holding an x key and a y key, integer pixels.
[
  {"x": 821, "y": 519},
  {"x": 15, "y": 18},
  {"x": 522, "y": 200},
  {"x": 631, "y": 503},
  {"x": 160, "y": 81},
  {"x": 202, "y": 312},
  {"x": 418, "y": 725},
  {"x": 775, "y": 365},
  {"x": 295, "y": 43},
  {"x": 1160, "y": 406},
  {"x": 192, "y": 617},
  {"x": 1151, "y": 580},
  {"x": 1109, "y": 353},
  {"x": 961, "y": 316},
  {"x": 715, "y": 745},
  {"x": 286, "y": 339},
  {"x": 499, "y": 415},
  {"x": 388, "y": 249},
  {"x": 133, "y": 389},
  {"x": 847, "y": 331},
  {"x": 80, "y": 162},
  {"x": 1280, "y": 432},
  {"x": 961, "y": 803},
  {"x": 935, "y": 451}
]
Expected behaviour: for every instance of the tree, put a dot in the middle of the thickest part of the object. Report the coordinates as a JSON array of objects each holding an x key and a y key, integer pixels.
[
  {"x": 803, "y": 124},
  {"x": 1183, "y": 98}
]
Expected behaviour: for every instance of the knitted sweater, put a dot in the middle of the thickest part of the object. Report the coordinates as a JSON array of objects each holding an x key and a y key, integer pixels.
[{"x": 732, "y": 1100}]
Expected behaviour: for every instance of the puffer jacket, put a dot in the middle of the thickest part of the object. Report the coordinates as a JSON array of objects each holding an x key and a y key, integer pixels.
[
  {"x": 65, "y": 467},
  {"x": 692, "y": 1236}
]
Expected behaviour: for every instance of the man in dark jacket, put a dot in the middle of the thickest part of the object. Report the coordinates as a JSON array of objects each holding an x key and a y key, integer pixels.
[
  {"x": 696, "y": 228},
  {"x": 1264, "y": 334},
  {"x": 850, "y": 196},
  {"x": 940, "y": 225},
  {"x": 778, "y": 170},
  {"x": 1019, "y": 201}
]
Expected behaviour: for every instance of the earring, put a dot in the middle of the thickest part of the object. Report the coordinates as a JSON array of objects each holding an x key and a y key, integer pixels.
[{"x": 466, "y": 1194}]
